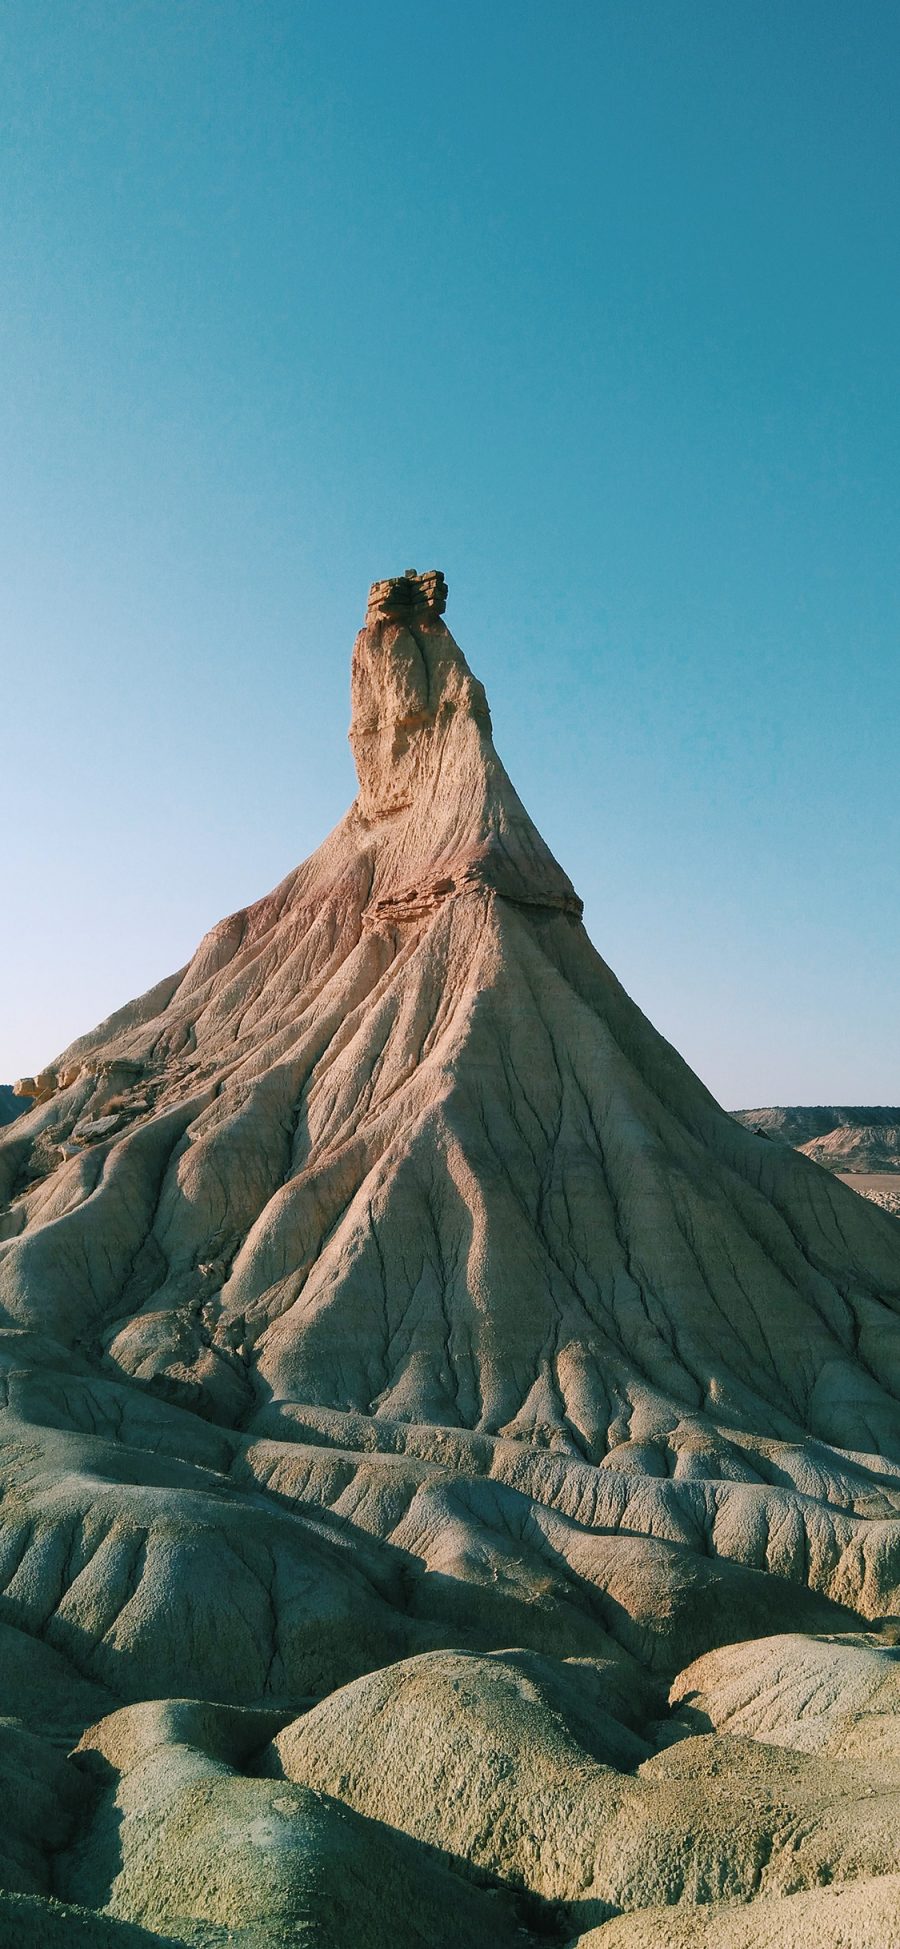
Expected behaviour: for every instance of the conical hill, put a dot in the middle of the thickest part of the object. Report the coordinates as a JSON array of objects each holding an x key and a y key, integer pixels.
[
  {"x": 396, "y": 1142},
  {"x": 382, "y": 1289}
]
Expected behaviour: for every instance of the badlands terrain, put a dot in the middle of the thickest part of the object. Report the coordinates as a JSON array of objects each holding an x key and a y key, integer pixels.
[
  {"x": 450, "y": 1467},
  {"x": 862, "y": 1145}
]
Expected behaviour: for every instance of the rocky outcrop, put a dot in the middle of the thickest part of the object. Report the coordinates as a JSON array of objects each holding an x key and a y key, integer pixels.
[{"x": 381, "y": 1292}]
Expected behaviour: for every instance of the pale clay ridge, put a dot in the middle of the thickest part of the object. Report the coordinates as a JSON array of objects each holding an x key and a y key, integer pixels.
[{"x": 380, "y": 1293}]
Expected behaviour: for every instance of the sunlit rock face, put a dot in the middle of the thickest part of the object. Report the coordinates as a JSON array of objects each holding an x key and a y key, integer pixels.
[{"x": 445, "y": 1454}]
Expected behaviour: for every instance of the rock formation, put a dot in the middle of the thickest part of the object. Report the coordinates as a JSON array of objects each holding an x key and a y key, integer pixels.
[{"x": 451, "y": 1468}]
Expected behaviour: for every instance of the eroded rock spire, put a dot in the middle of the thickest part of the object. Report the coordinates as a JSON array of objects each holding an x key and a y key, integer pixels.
[
  {"x": 430, "y": 782},
  {"x": 403, "y": 598},
  {"x": 381, "y": 1291}
]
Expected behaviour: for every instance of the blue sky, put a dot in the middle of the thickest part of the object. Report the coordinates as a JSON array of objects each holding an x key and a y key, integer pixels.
[{"x": 594, "y": 306}]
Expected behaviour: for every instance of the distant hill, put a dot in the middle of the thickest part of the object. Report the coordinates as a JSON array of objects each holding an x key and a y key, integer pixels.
[
  {"x": 853, "y": 1141},
  {"x": 11, "y": 1106},
  {"x": 801, "y": 1124},
  {"x": 858, "y": 1147}
]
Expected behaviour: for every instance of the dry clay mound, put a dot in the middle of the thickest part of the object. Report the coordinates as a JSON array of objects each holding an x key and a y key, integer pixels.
[{"x": 414, "y": 1383}]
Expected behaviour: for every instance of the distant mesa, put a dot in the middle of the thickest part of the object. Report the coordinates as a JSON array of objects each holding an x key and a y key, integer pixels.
[
  {"x": 802, "y": 1125},
  {"x": 861, "y": 1144}
]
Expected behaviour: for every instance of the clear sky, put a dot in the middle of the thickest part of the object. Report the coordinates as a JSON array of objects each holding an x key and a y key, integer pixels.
[{"x": 593, "y": 304}]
